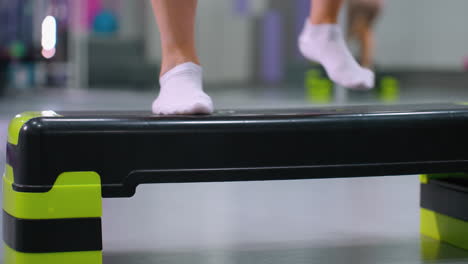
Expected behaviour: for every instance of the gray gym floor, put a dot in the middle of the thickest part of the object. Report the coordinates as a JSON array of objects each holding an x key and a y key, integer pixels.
[{"x": 361, "y": 220}]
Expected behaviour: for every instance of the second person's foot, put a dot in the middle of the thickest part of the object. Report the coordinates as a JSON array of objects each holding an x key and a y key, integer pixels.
[{"x": 324, "y": 44}]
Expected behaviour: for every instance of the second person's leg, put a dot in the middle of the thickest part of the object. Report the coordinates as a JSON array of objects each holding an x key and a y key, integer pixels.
[
  {"x": 322, "y": 41},
  {"x": 366, "y": 40},
  {"x": 181, "y": 75}
]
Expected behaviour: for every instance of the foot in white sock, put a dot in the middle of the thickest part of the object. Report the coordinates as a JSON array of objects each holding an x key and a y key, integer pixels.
[
  {"x": 325, "y": 44},
  {"x": 182, "y": 92}
]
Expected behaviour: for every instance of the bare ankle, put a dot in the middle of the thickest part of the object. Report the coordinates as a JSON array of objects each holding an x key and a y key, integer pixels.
[
  {"x": 174, "y": 57},
  {"x": 322, "y": 20},
  {"x": 171, "y": 63}
]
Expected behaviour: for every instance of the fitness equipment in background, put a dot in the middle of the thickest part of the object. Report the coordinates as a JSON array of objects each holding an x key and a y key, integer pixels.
[
  {"x": 28, "y": 54},
  {"x": 105, "y": 23},
  {"x": 104, "y": 16},
  {"x": 388, "y": 89},
  {"x": 319, "y": 89}
]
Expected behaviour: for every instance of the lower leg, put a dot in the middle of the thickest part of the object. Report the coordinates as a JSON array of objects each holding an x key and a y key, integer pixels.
[
  {"x": 366, "y": 39},
  {"x": 181, "y": 89},
  {"x": 322, "y": 41},
  {"x": 176, "y": 21},
  {"x": 325, "y": 11}
]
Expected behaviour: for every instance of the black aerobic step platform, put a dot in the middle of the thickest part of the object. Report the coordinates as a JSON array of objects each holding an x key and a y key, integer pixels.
[
  {"x": 60, "y": 164},
  {"x": 444, "y": 210}
]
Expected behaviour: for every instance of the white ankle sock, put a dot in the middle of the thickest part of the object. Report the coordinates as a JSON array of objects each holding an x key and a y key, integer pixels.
[
  {"x": 325, "y": 44},
  {"x": 182, "y": 92}
]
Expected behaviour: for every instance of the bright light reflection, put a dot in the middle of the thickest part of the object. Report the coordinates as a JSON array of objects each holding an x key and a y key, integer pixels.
[
  {"x": 49, "y": 37},
  {"x": 48, "y": 54}
]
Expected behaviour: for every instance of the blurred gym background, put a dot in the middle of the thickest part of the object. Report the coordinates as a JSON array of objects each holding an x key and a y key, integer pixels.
[
  {"x": 105, "y": 55},
  {"x": 96, "y": 44}
]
